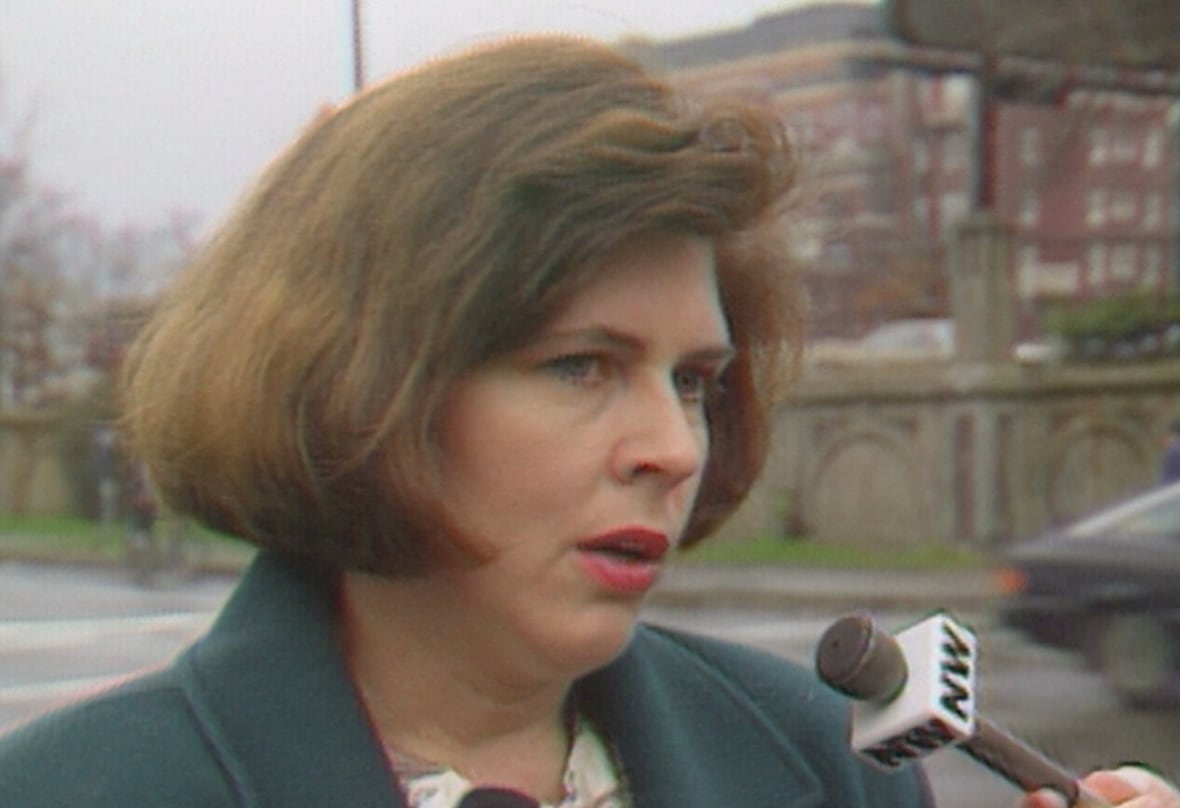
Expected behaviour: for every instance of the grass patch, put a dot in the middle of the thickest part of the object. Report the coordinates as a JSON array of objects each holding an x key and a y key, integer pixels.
[
  {"x": 796, "y": 553},
  {"x": 71, "y": 545},
  {"x": 66, "y": 539},
  {"x": 71, "y": 539},
  {"x": 46, "y": 525}
]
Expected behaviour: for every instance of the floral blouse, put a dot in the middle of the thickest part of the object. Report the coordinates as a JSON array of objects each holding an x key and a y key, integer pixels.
[{"x": 591, "y": 778}]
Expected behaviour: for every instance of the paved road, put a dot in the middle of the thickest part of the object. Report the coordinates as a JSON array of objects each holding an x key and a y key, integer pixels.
[
  {"x": 66, "y": 631},
  {"x": 1043, "y": 696}
]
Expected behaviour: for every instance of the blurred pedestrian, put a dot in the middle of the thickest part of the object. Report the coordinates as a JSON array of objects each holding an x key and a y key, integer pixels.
[
  {"x": 106, "y": 472},
  {"x": 142, "y": 546},
  {"x": 1170, "y": 465}
]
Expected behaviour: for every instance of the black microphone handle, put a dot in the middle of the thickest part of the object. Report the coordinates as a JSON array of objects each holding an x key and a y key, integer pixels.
[{"x": 1024, "y": 766}]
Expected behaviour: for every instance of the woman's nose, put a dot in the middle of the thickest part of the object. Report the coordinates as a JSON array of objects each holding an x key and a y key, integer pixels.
[{"x": 662, "y": 436}]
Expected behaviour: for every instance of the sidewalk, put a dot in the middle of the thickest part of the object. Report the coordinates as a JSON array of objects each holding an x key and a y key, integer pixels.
[
  {"x": 689, "y": 586},
  {"x": 824, "y": 589}
]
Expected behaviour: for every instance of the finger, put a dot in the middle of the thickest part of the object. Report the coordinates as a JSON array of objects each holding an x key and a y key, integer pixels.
[
  {"x": 1148, "y": 783},
  {"x": 1044, "y": 798},
  {"x": 1111, "y": 785},
  {"x": 1134, "y": 787}
]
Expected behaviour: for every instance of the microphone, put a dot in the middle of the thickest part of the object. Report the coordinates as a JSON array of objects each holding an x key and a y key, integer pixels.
[{"x": 915, "y": 693}]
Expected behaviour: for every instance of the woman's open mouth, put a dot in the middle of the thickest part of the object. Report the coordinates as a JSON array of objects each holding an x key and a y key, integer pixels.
[{"x": 626, "y": 561}]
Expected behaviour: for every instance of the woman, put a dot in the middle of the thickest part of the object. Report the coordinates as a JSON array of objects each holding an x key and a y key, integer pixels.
[{"x": 478, "y": 352}]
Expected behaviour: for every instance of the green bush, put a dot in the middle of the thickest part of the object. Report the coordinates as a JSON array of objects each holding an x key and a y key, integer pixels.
[
  {"x": 1128, "y": 327},
  {"x": 793, "y": 552}
]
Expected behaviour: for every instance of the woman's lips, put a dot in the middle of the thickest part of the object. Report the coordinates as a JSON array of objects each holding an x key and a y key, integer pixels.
[{"x": 625, "y": 561}]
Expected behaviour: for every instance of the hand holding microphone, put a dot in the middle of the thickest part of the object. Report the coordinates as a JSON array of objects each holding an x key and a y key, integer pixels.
[
  {"x": 1127, "y": 787},
  {"x": 915, "y": 694}
]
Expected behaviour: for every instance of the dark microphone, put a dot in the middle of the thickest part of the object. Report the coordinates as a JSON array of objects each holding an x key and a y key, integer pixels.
[
  {"x": 491, "y": 797},
  {"x": 915, "y": 693}
]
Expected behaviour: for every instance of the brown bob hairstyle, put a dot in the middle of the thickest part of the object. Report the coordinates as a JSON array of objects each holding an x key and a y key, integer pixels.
[{"x": 284, "y": 389}]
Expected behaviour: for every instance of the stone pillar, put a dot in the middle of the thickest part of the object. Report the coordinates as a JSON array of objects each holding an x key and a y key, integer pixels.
[
  {"x": 988, "y": 462},
  {"x": 980, "y": 287}
]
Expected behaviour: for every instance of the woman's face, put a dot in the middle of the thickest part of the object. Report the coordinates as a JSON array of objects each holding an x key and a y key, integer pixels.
[{"x": 578, "y": 458}]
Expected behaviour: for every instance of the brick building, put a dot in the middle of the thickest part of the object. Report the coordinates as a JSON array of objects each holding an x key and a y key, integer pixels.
[{"x": 1085, "y": 177}]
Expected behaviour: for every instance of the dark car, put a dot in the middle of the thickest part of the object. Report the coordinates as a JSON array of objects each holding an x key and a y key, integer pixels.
[{"x": 1108, "y": 587}]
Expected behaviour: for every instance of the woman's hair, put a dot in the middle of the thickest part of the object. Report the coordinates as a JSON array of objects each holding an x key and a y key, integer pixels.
[{"x": 285, "y": 388}]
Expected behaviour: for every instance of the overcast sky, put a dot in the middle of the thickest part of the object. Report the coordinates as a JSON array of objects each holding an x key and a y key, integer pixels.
[{"x": 144, "y": 107}]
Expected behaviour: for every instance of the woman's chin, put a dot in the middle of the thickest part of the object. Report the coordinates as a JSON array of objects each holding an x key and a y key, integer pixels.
[{"x": 583, "y": 651}]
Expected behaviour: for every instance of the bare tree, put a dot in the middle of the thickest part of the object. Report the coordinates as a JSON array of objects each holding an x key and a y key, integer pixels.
[{"x": 60, "y": 272}]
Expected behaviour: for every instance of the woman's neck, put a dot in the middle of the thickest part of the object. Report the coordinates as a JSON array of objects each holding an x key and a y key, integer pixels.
[{"x": 428, "y": 697}]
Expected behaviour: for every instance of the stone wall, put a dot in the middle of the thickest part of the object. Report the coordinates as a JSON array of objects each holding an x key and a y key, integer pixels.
[
  {"x": 901, "y": 455},
  {"x": 894, "y": 455},
  {"x": 34, "y": 475}
]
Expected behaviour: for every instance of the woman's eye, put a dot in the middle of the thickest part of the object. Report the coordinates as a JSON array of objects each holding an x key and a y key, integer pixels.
[
  {"x": 693, "y": 385},
  {"x": 577, "y": 368}
]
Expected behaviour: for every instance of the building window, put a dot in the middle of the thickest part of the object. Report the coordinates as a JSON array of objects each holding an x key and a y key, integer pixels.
[
  {"x": 1123, "y": 146},
  {"x": 1153, "y": 211},
  {"x": 957, "y": 93},
  {"x": 1030, "y": 207},
  {"x": 921, "y": 157},
  {"x": 953, "y": 209},
  {"x": 1096, "y": 208},
  {"x": 1123, "y": 259},
  {"x": 1030, "y": 146},
  {"x": 1153, "y": 148},
  {"x": 1099, "y": 139},
  {"x": 1122, "y": 206},
  {"x": 922, "y": 210},
  {"x": 1027, "y": 273},
  {"x": 954, "y": 157},
  {"x": 1152, "y": 268},
  {"x": 1096, "y": 265},
  {"x": 930, "y": 95}
]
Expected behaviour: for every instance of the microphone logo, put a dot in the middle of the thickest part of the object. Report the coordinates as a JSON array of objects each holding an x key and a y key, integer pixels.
[
  {"x": 936, "y": 708},
  {"x": 915, "y": 693}
]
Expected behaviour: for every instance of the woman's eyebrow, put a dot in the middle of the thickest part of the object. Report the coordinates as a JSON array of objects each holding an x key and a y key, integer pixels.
[
  {"x": 598, "y": 336},
  {"x": 605, "y": 336},
  {"x": 718, "y": 354}
]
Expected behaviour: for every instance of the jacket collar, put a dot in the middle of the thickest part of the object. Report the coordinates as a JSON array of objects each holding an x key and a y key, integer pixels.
[
  {"x": 688, "y": 736},
  {"x": 271, "y": 690}
]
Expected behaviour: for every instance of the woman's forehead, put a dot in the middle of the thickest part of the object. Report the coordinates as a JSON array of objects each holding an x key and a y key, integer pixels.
[{"x": 656, "y": 281}]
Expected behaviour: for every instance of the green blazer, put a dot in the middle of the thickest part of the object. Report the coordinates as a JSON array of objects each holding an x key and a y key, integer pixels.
[{"x": 261, "y": 712}]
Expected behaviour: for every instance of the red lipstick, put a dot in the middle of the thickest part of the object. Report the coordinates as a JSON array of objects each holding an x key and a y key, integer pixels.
[{"x": 624, "y": 561}]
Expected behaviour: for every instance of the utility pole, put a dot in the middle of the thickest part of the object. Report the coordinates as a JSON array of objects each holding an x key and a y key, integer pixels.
[{"x": 358, "y": 47}]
